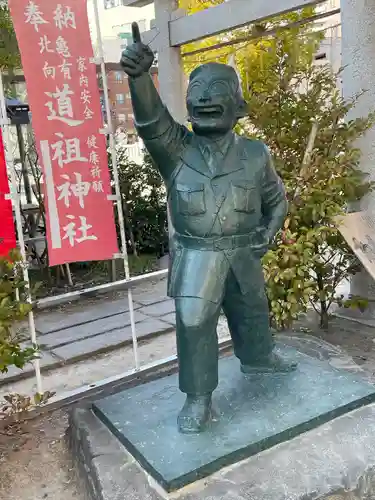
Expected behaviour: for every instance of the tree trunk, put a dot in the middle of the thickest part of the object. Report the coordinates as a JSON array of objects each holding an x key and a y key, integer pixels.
[{"x": 324, "y": 317}]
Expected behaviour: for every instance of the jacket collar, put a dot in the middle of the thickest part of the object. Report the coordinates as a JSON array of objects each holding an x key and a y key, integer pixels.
[{"x": 233, "y": 148}]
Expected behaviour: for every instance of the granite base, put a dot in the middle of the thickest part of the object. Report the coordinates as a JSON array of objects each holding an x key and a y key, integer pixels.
[{"x": 252, "y": 414}]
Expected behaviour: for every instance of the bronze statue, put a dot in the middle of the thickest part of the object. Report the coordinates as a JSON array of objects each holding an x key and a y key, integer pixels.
[{"x": 226, "y": 205}]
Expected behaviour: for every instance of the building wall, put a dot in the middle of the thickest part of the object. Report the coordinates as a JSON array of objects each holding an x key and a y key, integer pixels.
[
  {"x": 112, "y": 49},
  {"x": 115, "y": 21},
  {"x": 330, "y": 49},
  {"x": 120, "y": 102}
]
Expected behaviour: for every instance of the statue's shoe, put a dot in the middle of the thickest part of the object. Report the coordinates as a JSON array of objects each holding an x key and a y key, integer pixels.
[
  {"x": 273, "y": 364},
  {"x": 195, "y": 414}
]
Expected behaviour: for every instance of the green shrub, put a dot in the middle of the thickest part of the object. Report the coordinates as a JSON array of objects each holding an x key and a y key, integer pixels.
[
  {"x": 310, "y": 257},
  {"x": 144, "y": 205},
  {"x": 14, "y": 307}
]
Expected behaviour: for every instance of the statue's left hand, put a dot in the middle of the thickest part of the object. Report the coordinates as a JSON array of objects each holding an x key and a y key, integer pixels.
[{"x": 261, "y": 249}]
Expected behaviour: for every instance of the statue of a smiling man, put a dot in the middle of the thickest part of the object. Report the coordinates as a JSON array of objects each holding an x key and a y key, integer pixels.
[{"x": 226, "y": 204}]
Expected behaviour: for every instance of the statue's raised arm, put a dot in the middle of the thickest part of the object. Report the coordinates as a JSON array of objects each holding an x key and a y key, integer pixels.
[{"x": 163, "y": 137}]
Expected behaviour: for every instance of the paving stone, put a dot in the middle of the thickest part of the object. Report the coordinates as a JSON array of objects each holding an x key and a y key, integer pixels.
[
  {"x": 91, "y": 329},
  {"x": 99, "y": 440},
  {"x": 46, "y": 361},
  {"x": 59, "y": 320},
  {"x": 110, "y": 340},
  {"x": 169, "y": 318},
  {"x": 159, "y": 309},
  {"x": 158, "y": 293},
  {"x": 146, "y": 300},
  {"x": 109, "y": 473},
  {"x": 129, "y": 483}
]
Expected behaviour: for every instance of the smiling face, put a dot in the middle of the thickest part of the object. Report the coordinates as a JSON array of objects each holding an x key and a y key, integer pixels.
[{"x": 213, "y": 99}]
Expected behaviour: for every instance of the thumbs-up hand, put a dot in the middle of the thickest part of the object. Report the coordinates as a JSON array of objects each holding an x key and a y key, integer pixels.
[{"x": 137, "y": 58}]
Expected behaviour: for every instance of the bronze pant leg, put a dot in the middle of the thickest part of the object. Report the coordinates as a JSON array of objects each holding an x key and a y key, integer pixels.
[
  {"x": 248, "y": 321},
  {"x": 197, "y": 344}
]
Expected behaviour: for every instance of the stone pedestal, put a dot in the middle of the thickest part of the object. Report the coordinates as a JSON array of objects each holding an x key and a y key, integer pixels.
[{"x": 252, "y": 414}]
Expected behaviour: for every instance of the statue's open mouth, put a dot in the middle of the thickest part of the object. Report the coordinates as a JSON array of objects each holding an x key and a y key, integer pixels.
[{"x": 208, "y": 111}]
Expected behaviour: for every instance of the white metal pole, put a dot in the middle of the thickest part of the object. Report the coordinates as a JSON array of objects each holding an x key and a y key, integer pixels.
[
  {"x": 16, "y": 204},
  {"x": 112, "y": 144}
]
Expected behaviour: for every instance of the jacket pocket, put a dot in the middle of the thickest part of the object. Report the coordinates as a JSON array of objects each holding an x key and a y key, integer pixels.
[
  {"x": 191, "y": 199},
  {"x": 244, "y": 198}
]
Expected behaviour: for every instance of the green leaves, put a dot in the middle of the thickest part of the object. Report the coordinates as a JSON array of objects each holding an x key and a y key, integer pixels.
[
  {"x": 286, "y": 271},
  {"x": 9, "y": 53},
  {"x": 12, "y": 310},
  {"x": 144, "y": 202},
  {"x": 286, "y": 92}
]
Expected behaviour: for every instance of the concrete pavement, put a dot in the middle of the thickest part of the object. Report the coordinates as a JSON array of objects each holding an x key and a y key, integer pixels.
[{"x": 83, "y": 330}]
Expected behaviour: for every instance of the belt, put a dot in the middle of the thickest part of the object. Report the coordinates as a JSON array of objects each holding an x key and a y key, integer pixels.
[{"x": 218, "y": 243}]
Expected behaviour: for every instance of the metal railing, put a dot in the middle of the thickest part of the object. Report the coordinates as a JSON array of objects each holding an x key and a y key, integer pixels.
[{"x": 135, "y": 153}]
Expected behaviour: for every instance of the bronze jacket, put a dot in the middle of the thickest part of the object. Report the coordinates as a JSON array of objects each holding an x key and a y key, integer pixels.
[{"x": 221, "y": 202}]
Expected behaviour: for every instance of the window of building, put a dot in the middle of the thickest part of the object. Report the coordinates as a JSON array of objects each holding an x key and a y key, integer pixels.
[
  {"x": 109, "y": 4},
  {"x": 127, "y": 27},
  {"x": 131, "y": 116},
  {"x": 142, "y": 25},
  {"x": 127, "y": 95},
  {"x": 121, "y": 117},
  {"x": 118, "y": 76},
  {"x": 120, "y": 98}
]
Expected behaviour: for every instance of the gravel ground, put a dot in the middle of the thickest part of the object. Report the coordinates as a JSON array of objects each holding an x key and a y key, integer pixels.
[
  {"x": 34, "y": 460},
  {"x": 35, "y": 463}
]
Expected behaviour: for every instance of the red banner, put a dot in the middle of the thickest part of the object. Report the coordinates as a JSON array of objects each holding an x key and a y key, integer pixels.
[
  {"x": 7, "y": 229},
  {"x": 57, "y": 59}
]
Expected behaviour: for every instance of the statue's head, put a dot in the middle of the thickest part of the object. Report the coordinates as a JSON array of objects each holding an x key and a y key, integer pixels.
[{"x": 214, "y": 99}]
